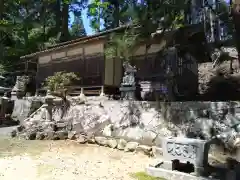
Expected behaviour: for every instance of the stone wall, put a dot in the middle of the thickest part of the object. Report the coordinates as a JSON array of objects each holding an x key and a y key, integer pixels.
[{"x": 142, "y": 122}]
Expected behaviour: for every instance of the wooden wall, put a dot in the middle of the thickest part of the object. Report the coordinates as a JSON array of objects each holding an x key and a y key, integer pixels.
[{"x": 86, "y": 60}]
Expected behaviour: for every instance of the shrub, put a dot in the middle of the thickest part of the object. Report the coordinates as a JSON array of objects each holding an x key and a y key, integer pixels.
[{"x": 59, "y": 80}]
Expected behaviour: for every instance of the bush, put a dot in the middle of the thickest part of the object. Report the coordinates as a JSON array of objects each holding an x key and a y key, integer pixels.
[{"x": 59, "y": 80}]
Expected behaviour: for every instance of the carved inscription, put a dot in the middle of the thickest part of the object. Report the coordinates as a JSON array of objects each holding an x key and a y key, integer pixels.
[{"x": 182, "y": 150}]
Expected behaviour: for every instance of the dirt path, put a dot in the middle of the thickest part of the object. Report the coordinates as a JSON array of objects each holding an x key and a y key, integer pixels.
[{"x": 61, "y": 160}]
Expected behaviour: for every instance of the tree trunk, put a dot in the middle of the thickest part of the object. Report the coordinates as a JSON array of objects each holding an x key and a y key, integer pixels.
[
  {"x": 65, "y": 15},
  {"x": 116, "y": 5},
  {"x": 116, "y": 15},
  {"x": 57, "y": 9},
  {"x": 25, "y": 27},
  {"x": 44, "y": 20},
  {"x": 1, "y": 8},
  {"x": 1, "y": 33},
  {"x": 187, "y": 13},
  {"x": 236, "y": 21}
]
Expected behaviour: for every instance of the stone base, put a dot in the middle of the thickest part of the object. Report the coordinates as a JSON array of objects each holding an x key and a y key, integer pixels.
[
  {"x": 16, "y": 95},
  {"x": 160, "y": 168},
  {"x": 172, "y": 175}
]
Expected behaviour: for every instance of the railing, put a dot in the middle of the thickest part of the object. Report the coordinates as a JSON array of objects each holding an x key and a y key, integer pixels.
[{"x": 86, "y": 90}]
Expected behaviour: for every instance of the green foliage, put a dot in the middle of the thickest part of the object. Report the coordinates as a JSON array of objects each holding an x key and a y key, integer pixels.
[
  {"x": 77, "y": 29},
  {"x": 95, "y": 12},
  {"x": 2, "y": 69},
  {"x": 27, "y": 26},
  {"x": 144, "y": 176},
  {"x": 59, "y": 80},
  {"x": 148, "y": 16},
  {"x": 122, "y": 45}
]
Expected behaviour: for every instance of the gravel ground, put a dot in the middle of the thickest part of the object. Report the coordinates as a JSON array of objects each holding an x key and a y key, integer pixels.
[{"x": 61, "y": 160}]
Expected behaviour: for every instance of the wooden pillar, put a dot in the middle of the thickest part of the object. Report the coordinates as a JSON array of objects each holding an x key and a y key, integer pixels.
[
  {"x": 84, "y": 65},
  {"x": 36, "y": 78},
  {"x": 26, "y": 65},
  {"x": 113, "y": 78},
  {"x": 102, "y": 91},
  {"x": 82, "y": 96},
  {"x": 104, "y": 63}
]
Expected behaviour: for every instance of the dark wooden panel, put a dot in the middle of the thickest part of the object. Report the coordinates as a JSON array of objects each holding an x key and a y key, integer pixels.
[
  {"x": 140, "y": 65},
  {"x": 43, "y": 72},
  {"x": 147, "y": 66},
  {"x": 90, "y": 70},
  {"x": 94, "y": 70},
  {"x": 75, "y": 66}
]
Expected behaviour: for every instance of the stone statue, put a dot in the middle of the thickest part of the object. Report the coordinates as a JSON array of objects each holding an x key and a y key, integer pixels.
[
  {"x": 128, "y": 67},
  {"x": 129, "y": 74},
  {"x": 128, "y": 79},
  {"x": 21, "y": 83},
  {"x": 128, "y": 85},
  {"x": 20, "y": 86}
]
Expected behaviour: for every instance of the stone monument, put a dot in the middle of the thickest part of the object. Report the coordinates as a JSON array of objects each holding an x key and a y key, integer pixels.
[
  {"x": 185, "y": 150},
  {"x": 128, "y": 85},
  {"x": 185, "y": 158}
]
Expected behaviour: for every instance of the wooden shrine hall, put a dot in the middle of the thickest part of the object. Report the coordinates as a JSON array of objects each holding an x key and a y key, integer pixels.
[{"x": 85, "y": 57}]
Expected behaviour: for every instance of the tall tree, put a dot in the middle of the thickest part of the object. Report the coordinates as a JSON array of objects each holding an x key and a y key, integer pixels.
[
  {"x": 235, "y": 11},
  {"x": 77, "y": 28},
  {"x": 30, "y": 26}
]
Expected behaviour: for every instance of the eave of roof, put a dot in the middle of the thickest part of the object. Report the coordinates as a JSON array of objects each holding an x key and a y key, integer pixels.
[{"x": 75, "y": 42}]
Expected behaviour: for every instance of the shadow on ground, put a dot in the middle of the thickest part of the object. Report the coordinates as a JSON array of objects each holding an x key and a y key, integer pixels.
[{"x": 16, "y": 147}]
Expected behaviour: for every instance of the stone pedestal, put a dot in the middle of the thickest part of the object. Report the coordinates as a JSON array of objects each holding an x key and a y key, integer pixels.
[
  {"x": 128, "y": 92},
  {"x": 48, "y": 105},
  {"x": 238, "y": 155},
  {"x": 16, "y": 94},
  {"x": 102, "y": 91},
  {"x": 48, "y": 111},
  {"x": 186, "y": 150},
  {"x": 82, "y": 96},
  {"x": 4, "y": 106}
]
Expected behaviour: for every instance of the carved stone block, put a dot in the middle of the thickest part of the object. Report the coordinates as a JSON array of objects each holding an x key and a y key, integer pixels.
[{"x": 185, "y": 150}]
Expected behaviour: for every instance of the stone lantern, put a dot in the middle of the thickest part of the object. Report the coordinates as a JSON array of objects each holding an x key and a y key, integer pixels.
[
  {"x": 18, "y": 90},
  {"x": 4, "y": 105},
  {"x": 48, "y": 105},
  {"x": 128, "y": 86}
]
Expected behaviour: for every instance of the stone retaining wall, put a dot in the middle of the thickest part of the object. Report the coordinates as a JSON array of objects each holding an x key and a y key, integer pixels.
[
  {"x": 115, "y": 143},
  {"x": 142, "y": 122}
]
